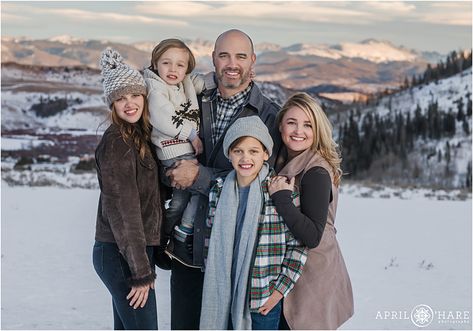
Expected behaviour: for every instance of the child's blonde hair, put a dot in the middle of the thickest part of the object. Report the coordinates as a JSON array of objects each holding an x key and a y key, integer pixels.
[{"x": 166, "y": 44}]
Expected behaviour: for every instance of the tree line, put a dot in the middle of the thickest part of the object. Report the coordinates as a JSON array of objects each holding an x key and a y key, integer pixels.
[
  {"x": 454, "y": 63},
  {"x": 391, "y": 138},
  {"x": 374, "y": 145}
]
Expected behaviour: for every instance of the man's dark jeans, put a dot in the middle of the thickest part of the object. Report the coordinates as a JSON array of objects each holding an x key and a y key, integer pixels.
[
  {"x": 186, "y": 296},
  {"x": 114, "y": 272}
]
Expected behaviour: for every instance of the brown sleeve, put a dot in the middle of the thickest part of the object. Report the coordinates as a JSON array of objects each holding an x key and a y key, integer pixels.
[{"x": 121, "y": 200}]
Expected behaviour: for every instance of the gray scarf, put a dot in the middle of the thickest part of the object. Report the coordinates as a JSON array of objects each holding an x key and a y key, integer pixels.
[{"x": 219, "y": 299}]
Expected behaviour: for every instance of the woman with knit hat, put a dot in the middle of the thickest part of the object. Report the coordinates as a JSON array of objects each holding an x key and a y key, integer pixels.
[
  {"x": 253, "y": 260},
  {"x": 130, "y": 208}
]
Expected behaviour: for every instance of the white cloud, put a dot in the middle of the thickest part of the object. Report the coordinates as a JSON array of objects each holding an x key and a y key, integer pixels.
[
  {"x": 336, "y": 12},
  {"x": 390, "y": 7},
  {"x": 108, "y": 16},
  {"x": 452, "y": 13},
  {"x": 175, "y": 8},
  {"x": 16, "y": 11},
  {"x": 284, "y": 11},
  {"x": 13, "y": 18}
]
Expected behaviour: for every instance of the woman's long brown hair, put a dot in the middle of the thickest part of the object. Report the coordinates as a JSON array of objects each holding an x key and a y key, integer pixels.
[{"x": 139, "y": 133}]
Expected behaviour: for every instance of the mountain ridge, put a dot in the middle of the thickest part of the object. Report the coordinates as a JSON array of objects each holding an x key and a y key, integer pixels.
[{"x": 362, "y": 67}]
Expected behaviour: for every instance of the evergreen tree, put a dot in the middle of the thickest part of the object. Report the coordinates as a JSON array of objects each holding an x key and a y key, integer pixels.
[
  {"x": 441, "y": 68},
  {"x": 406, "y": 83},
  {"x": 350, "y": 145},
  {"x": 466, "y": 126},
  {"x": 449, "y": 66},
  {"x": 460, "y": 113},
  {"x": 409, "y": 132},
  {"x": 367, "y": 145},
  {"x": 419, "y": 122},
  {"x": 468, "y": 176},
  {"x": 434, "y": 121},
  {"x": 427, "y": 74},
  {"x": 449, "y": 124},
  {"x": 401, "y": 128},
  {"x": 455, "y": 62},
  {"x": 468, "y": 107},
  {"x": 447, "y": 158}
]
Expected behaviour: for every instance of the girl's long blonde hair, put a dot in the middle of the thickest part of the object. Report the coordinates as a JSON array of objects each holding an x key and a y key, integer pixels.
[
  {"x": 138, "y": 133},
  {"x": 322, "y": 129}
]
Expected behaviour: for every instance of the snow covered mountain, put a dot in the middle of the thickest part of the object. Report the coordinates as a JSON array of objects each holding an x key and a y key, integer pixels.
[
  {"x": 370, "y": 50},
  {"x": 359, "y": 67}
]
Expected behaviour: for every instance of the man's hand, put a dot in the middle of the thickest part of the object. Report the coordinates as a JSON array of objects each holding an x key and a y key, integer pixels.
[
  {"x": 183, "y": 174},
  {"x": 272, "y": 301}
]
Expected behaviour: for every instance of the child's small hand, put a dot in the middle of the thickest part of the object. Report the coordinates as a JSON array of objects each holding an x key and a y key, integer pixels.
[
  {"x": 279, "y": 183},
  {"x": 272, "y": 301},
  {"x": 198, "y": 146}
]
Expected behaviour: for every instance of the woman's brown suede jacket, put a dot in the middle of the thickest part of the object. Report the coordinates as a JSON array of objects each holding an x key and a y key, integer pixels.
[{"x": 129, "y": 212}]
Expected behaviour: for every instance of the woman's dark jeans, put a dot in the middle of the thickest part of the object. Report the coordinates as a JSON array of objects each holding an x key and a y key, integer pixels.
[{"x": 114, "y": 272}]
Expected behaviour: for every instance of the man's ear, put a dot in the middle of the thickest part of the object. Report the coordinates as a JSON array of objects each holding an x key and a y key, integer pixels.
[
  {"x": 253, "y": 58},
  {"x": 213, "y": 58}
]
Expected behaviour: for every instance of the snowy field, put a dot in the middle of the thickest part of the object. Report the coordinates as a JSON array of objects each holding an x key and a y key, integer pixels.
[{"x": 400, "y": 253}]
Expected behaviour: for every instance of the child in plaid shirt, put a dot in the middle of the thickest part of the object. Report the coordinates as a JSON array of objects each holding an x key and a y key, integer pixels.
[{"x": 253, "y": 259}]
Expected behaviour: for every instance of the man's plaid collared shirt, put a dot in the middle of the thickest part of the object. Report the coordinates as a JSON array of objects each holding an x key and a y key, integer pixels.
[{"x": 226, "y": 109}]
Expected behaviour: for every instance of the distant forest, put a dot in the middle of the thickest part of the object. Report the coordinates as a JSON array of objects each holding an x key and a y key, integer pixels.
[{"x": 381, "y": 142}]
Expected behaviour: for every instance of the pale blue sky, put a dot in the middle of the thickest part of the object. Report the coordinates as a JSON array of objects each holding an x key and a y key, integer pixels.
[{"x": 440, "y": 26}]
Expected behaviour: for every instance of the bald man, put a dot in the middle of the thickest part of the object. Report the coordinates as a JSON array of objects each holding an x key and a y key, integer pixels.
[{"x": 235, "y": 96}]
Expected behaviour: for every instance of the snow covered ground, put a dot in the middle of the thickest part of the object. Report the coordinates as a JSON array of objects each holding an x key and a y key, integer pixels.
[{"x": 400, "y": 252}]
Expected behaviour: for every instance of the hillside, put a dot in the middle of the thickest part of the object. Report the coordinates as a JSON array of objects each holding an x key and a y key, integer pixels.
[
  {"x": 418, "y": 137},
  {"x": 52, "y": 119},
  {"x": 71, "y": 98}
]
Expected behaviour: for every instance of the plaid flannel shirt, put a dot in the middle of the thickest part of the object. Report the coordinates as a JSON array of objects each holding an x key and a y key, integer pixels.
[
  {"x": 226, "y": 109},
  {"x": 279, "y": 259}
]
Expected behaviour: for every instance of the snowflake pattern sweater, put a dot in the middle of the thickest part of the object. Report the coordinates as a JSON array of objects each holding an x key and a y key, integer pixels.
[{"x": 174, "y": 113}]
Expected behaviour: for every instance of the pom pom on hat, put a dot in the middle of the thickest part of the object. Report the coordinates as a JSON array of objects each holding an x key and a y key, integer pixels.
[
  {"x": 118, "y": 77},
  {"x": 110, "y": 59},
  {"x": 250, "y": 126}
]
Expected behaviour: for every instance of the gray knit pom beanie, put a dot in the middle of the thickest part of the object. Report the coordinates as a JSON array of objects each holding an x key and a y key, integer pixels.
[
  {"x": 250, "y": 126},
  {"x": 118, "y": 77}
]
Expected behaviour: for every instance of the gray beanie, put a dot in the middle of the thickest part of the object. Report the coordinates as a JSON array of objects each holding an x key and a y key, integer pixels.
[
  {"x": 251, "y": 126},
  {"x": 118, "y": 77}
]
